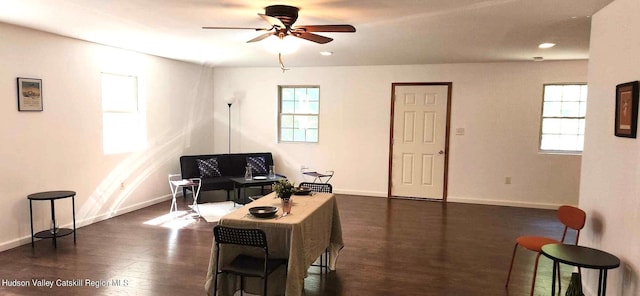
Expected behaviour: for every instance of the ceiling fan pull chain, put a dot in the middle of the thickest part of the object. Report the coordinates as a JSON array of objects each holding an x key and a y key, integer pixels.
[{"x": 280, "y": 60}]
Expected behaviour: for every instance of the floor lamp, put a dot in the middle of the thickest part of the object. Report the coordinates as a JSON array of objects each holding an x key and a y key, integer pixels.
[{"x": 229, "y": 104}]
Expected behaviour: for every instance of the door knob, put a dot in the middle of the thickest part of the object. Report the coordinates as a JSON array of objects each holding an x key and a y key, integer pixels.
[{"x": 441, "y": 152}]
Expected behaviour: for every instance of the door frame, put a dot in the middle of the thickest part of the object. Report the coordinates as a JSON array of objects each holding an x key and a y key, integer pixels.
[{"x": 446, "y": 137}]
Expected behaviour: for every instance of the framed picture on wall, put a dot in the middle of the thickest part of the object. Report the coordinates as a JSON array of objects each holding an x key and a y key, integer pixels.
[
  {"x": 626, "y": 109},
  {"x": 29, "y": 94}
]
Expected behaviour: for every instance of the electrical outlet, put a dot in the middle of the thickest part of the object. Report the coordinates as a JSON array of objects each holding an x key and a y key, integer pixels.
[{"x": 507, "y": 180}]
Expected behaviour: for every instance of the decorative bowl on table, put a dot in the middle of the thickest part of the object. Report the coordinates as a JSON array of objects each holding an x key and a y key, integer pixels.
[
  {"x": 302, "y": 191},
  {"x": 263, "y": 212}
]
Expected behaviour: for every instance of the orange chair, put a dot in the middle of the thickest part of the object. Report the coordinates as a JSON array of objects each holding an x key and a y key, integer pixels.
[{"x": 571, "y": 217}]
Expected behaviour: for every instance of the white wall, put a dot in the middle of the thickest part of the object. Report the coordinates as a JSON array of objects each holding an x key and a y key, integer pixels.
[
  {"x": 498, "y": 104},
  {"x": 609, "y": 190},
  {"x": 61, "y": 147}
]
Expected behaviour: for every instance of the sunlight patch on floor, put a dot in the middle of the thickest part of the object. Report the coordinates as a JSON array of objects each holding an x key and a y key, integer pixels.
[{"x": 174, "y": 220}]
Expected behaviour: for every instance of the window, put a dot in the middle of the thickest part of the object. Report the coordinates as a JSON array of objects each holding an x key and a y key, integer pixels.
[
  {"x": 122, "y": 126},
  {"x": 299, "y": 109},
  {"x": 563, "y": 117}
]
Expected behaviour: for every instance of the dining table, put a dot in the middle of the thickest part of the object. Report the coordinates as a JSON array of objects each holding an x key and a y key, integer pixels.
[{"x": 301, "y": 236}]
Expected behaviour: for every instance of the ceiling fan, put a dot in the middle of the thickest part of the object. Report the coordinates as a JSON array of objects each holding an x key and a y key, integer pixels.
[{"x": 281, "y": 19}]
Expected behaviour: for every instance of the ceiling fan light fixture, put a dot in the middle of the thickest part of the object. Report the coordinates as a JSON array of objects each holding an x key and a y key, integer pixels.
[
  {"x": 546, "y": 45},
  {"x": 282, "y": 45}
]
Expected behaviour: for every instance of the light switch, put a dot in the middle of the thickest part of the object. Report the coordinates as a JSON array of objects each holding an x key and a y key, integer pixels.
[{"x": 460, "y": 131}]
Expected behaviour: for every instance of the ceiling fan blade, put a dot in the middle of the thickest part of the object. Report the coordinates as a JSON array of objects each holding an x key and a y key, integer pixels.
[
  {"x": 327, "y": 28},
  {"x": 312, "y": 37},
  {"x": 235, "y": 28},
  {"x": 274, "y": 22},
  {"x": 261, "y": 37}
]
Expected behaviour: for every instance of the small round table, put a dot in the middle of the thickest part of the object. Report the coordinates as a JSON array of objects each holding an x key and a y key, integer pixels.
[
  {"x": 54, "y": 232},
  {"x": 580, "y": 256}
]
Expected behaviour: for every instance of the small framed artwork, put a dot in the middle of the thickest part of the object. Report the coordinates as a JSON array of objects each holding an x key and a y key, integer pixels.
[
  {"x": 626, "y": 109},
  {"x": 29, "y": 94}
]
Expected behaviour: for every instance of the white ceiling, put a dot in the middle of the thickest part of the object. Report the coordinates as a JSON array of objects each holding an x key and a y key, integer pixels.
[{"x": 390, "y": 32}]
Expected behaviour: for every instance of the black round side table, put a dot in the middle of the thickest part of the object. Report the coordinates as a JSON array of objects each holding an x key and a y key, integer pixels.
[
  {"x": 54, "y": 232},
  {"x": 580, "y": 256}
]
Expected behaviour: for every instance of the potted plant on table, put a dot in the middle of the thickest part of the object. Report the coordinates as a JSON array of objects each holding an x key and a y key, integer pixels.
[{"x": 284, "y": 189}]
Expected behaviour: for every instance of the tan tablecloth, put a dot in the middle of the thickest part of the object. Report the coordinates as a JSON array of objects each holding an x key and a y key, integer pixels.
[{"x": 301, "y": 236}]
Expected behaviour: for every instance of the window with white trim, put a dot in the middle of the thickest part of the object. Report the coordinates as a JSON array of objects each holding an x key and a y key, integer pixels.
[
  {"x": 299, "y": 110},
  {"x": 563, "y": 117},
  {"x": 123, "y": 128}
]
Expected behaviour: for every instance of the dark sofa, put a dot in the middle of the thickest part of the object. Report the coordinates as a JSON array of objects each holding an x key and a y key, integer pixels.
[{"x": 229, "y": 165}]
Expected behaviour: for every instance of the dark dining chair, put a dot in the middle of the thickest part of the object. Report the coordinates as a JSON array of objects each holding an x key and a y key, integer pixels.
[
  {"x": 244, "y": 265},
  {"x": 571, "y": 217},
  {"x": 320, "y": 187}
]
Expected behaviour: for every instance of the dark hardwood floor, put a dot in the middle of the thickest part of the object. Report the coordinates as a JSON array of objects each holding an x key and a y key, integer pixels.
[{"x": 392, "y": 247}]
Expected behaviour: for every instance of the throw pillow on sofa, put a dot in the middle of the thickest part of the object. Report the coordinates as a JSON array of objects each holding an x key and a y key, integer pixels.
[
  {"x": 208, "y": 168},
  {"x": 257, "y": 164}
]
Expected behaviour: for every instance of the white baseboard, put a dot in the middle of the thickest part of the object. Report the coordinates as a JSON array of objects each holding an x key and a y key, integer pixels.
[
  {"x": 120, "y": 211},
  {"x": 87, "y": 221},
  {"x": 359, "y": 192},
  {"x": 508, "y": 203},
  {"x": 492, "y": 202}
]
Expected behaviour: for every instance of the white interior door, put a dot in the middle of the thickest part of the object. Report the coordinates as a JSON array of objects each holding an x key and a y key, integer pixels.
[{"x": 419, "y": 141}]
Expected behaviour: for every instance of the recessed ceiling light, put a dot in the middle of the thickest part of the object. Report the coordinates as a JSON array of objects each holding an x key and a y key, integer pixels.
[
  {"x": 546, "y": 45},
  {"x": 326, "y": 53},
  {"x": 538, "y": 59}
]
